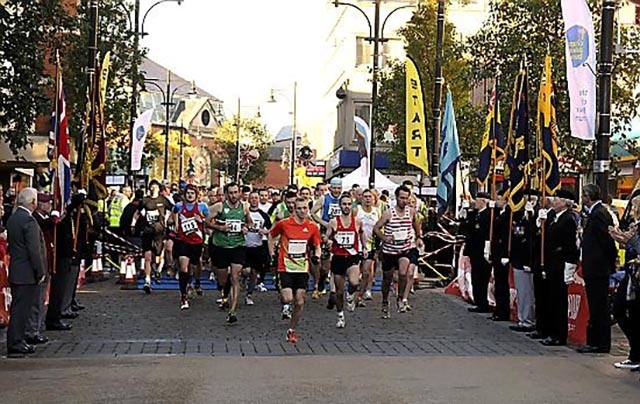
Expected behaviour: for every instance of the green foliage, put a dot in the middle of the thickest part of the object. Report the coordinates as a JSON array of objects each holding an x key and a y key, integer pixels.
[
  {"x": 531, "y": 28},
  {"x": 252, "y": 132},
  {"x": 419, "y": 35},
  {"x": 30, "y": 31}
]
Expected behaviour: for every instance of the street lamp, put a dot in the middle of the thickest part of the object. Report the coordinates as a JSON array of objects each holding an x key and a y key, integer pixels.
[
  {"x": 136, "y": 62},
  {"x": 167, "y": 100},
  {"x": 376, "y": 36},
  {"x": 294, "y": 129}
]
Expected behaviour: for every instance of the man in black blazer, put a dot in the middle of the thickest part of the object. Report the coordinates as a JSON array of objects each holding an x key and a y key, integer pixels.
[
  {"x": 598, "y": 262},
  {"x": 27, "y": 269},
  {"x": 477, "y": 248},
  {"x": 561, "y": 257}
]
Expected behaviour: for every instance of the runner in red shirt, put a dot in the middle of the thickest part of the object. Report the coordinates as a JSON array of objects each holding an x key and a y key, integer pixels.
[{"x": 298, "y": 235}]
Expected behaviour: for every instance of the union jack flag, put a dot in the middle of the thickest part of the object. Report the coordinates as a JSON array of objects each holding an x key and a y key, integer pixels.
[{"x": 59, "y": 152}]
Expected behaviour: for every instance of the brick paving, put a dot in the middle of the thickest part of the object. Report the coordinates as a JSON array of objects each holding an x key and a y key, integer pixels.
[{"x": 129, "y": 323}]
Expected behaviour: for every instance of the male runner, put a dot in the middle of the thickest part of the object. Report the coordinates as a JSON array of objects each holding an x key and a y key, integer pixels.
[
  {"x": 256, "y": 239},
  {"x": 153, "y": 210},
  {"x": 231, "y": 221},
  {"x": 369, "y": 216},
  {"x": 401, "y": 235},
  {"x": 297, "y": 235},
  {"x": 325, "y": 208},
  {"x": 283, "y": 211},
  {"x": 189, "y": 217},
  {"x": 346, "y": 240},
  {"x": 265, "y": 205}
]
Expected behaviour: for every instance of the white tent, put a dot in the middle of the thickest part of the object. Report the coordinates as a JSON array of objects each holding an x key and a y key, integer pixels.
[{"x": 356, "y": 177}]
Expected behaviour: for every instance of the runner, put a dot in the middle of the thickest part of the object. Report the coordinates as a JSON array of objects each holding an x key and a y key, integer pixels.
[
  {"x": 400, "y": 237},
  {"x": 231, "y": 221},
  {"x": 265, "y": 205},
  {"x": 369, "y": 215},
  {"x": 280, "y": 213},
  {"x": 153, "y": 210},
  {"x": 326, "y": 208},
  {"x": 190, "y": 217},
  {"x": 297, "y": 235},
  {"x": 346, "y": 239},
  {"x": 257, "y": 250}
]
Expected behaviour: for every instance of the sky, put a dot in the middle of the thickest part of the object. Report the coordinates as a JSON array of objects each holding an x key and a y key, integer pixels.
[{"x": 243, "y": 48}]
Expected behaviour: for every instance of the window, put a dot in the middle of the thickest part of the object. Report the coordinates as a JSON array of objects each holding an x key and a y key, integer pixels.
[{"x": 364, "y": 51}]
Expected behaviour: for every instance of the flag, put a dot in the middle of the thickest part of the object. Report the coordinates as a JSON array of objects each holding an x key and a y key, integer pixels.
[
  {"x": 492, "y": 145},
  {"x": 416, "y": 131},
  {"x": 580, "y": 50},
  {"x": 139, "y": 136},
  {"x": 97, "y": 148},
  {"x": 363, "y": 134},
  {"x": 449, "y": 156},
  {"x": 547, "y": 129},
  {"x": 518, "y": 154},
  {"x": 59, "y": 150}
]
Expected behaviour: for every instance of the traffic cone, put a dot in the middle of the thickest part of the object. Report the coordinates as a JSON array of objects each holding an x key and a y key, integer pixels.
[
  {"x": 123, "y": 269},
  {"x": 96, "y": 265},
  {"x": 130, "y": 273}
]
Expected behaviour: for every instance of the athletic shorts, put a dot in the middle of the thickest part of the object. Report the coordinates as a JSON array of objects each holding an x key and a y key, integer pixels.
[
  {"x": 257, "y": 258},
  {"x": 414, "y": 255},
  {"x": 340, "y": 264},
  {"x": 326, "y": 252},
  {"x": 293, "y": 281},
  {"x": 223, "y": 257},
  {"x": 370, "y": 255},
  {"x": 191, "y": 251},
  {"x": 153, "y": 242},
  {"x": 391, "y": 261}
]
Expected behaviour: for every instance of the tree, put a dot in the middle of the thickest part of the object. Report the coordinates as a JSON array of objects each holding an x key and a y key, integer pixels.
[
  {"x": 30, "y": 32},
  {"x": 530, "y": 28},
  {"x": 419, "y": 35},
  {"x": 252, "y": 133}
]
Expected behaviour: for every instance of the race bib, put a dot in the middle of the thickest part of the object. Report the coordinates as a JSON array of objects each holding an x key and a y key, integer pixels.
[
  {"x": 334, "y": 210},
  {"x": 400, "y": 236},
  {"x": 189, "y": 225},
  {"x": 234, "y": 226},
  {"x": 257, "y": 225},
  {"x": 297, "y": 248},
  {"x": 345, "y": 239},
  {"x": 152, "y": 216}
]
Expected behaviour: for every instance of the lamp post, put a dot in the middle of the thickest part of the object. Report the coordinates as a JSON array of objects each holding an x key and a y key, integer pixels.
[
  {"x": 134, "y": 70},
  {"x": 294, "y": 131},
  {"x": 376, "y": 36}
]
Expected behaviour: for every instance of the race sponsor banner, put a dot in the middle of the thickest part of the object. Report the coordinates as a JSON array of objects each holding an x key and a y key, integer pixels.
[{"x": 578, "y": 310}]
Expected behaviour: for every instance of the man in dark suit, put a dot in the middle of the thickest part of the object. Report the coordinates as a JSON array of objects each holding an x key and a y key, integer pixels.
[
  {"x": 477, "y": 248},
  {"x": 27, "y": 269},
  {"x": 561, "y": 256},
  {"x": 500, "y": 259},
  {"x": 598, "y": 262}
]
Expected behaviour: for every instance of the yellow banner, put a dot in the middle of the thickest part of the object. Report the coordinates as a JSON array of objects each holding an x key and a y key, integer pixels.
[
  {"x": 416, "y": 131},
  {"x": 104, "y": 75}
]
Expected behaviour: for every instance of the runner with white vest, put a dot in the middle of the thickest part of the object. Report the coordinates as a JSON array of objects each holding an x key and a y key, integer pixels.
[
  {"x": 346, "y": 240},
  {"x": 257, "y": 261},
  {"x": 369, "y": 216},
  {"x": 401, "y": 235}
]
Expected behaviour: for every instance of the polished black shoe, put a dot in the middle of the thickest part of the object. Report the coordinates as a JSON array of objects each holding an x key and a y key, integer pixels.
[
  {"x": 20, "y": 351},
  {"x": 536, "y": 335},
  {"x": 521, "y": 328},
  {"x": 69, "y": 315},
  {"x": 38, "y": 339},
  {"x": 77, "y": 306},
  {"x": 58, "y": 327},
  {"x": 592, "y": 349},
  {"x": 549, "y": 341},
  {"x": 478, "y": 309}
]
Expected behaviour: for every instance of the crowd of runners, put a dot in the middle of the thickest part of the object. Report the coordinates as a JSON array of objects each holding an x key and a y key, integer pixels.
[{"x": 326, "y": 234}]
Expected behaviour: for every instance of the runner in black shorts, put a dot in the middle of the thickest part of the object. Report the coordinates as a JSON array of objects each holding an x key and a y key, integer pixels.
[{"x": 256, "y": 239}]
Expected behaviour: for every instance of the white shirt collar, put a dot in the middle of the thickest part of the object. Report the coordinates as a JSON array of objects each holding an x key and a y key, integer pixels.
[{"x": 22, "y": 207}]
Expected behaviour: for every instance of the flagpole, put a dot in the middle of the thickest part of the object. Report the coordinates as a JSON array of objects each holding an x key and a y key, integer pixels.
[
  {"x": 437, "y": 96},
  {"x": 54, "y": 157},
  {"x": 494, "y": 159}
]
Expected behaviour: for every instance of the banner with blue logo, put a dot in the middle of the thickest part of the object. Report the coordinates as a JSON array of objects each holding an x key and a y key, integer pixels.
[{"x": 581, "y": 63}]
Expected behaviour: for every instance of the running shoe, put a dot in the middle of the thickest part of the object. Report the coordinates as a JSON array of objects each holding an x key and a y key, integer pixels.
[
  {"x": 157, "y": 277},
  {"x": 402, "y": 306},
  {"x": 184, "y": 304},
  {"x": 385, "y": 310},
  {"x": 360, "y": 303},
  {"x": 198, "y": 289},
  {"x": 232, "y": 318},
  {"x": 261, "y": 287},
  {"x": 323, "y": 292},
  {"x": 286, "y": 311},
  {"x": 224, "y": 303},
  {"x": 341, "y": 321},
  {"x": 331, "y": 303},
  {"x": 627, "y": 364},
  {"x": 147, "y": 287},
  {"x": 351, "y": 303},
  {"x": 212, "y": 277},
  {"x": 367, "y": 295},
  {"x": 248, "y": 300},
  {"x": 291, "y": 336},
  {"x": 315, "y": 295},
  {"x": 190, "y": 292}
]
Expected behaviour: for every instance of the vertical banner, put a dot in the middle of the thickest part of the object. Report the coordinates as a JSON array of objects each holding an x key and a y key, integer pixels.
[
  {"x": 449, "y": 156},
  {"x": 547, "y": 128},
  {"x": 580, "y": 52},
  {"x": 415, "y": 128},
  {"x": 140, "y": 129},
  {"x": 363, "y": 134},
  {"x": 518, "y": 156}
]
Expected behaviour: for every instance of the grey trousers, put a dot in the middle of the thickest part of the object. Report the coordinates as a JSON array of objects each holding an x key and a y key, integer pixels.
[
  {"x": 22, "y": 297},
  {"x": 526, "y": 299},
  {"x": 70, "y": 284},
  {"x": 35, "y": 324}
]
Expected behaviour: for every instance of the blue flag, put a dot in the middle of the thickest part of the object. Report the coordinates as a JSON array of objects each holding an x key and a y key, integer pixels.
[
  {"x": 449, "y": 156},
  {"x": 518, "y": 159}
]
